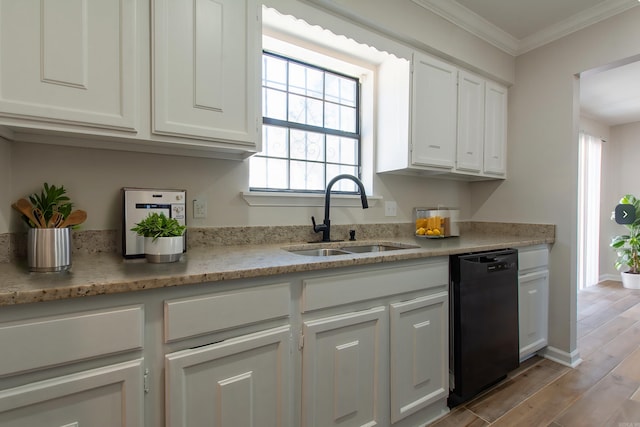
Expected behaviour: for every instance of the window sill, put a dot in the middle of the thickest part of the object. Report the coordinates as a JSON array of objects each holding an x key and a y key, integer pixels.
[{"x": 265, "y": 198}]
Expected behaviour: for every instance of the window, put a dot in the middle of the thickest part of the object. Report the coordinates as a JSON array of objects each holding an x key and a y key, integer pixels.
[{"x": 311, "y": 127}]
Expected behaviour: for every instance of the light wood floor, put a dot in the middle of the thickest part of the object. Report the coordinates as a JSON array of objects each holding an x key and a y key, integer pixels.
[{"x": 604, "y": 390}]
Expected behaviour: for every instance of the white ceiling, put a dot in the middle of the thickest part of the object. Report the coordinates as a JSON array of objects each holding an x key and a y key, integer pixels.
[{"x": 517, "y": 26}]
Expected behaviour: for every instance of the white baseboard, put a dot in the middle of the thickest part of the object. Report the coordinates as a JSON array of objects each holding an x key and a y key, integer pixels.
[
  {"x": 571, "y": 360},
  {"x": 614, "y": 277}
]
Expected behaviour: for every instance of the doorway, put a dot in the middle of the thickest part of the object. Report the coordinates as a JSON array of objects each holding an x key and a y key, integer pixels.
[{"x": 589, "y": 170}]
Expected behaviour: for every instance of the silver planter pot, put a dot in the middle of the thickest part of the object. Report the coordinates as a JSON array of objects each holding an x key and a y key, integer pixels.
[{"x": 49, "y": 249}]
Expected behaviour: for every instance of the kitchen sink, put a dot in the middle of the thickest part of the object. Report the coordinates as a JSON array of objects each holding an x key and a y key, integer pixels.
[
  {"x": 372, "y": 248},
  {"x": 319, "y": 252},
  {"x": 344, "y": 250}
]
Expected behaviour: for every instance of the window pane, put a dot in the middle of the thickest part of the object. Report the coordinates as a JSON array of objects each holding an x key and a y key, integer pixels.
[
  {"x": 268, "y": 173},
  {"x": 274, "y": 141},
  {"x": 307, "y": 145},
  {"x": 340, "y": 118},
  {"x": 342, "y": 150},
  {"x": 305, "y": 81},
  {"x": 274, "y": 72},
  {"x": 344, "y": 184},
  {"x": 340, "y": 90},
  {"x": 274, "y": 104},
  {"x": 307, "y": 176},
  {"x": 303, "y": 110}
]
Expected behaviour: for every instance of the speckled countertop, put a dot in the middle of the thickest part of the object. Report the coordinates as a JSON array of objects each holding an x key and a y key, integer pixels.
[{"x": 108, "y": 273}]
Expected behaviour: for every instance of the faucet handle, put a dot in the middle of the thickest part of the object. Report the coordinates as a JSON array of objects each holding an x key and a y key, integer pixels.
[{"x": 318, "y": 227}]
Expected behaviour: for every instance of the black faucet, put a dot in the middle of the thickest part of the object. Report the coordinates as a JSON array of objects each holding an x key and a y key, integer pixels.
[{"x": 325, "y": 227}]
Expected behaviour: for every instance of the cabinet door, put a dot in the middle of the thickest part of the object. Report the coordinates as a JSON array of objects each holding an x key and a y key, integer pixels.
[
  {"x": 533, "y": 300},
  {"x": 206, "y": 69},
  {"x": 433, "y": 118},
  {"x": 105, "y": 397},
  {"x": 342, "y": 371},
  {"x": 419, "y": 354},
  {"x": 69, "y": 61},
  {"x": 470, "y": 146},
  {"x": 495, "y": 130},
  {"x": 238, "y": 382}
]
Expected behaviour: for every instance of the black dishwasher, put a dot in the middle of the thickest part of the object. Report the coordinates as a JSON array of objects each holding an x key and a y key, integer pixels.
[{"x": 483, "y": 345}]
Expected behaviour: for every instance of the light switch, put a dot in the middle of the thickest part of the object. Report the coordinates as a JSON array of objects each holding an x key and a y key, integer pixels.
[
  {"x": 390, "y": 208},
  {"x": 200, "y": 209}
]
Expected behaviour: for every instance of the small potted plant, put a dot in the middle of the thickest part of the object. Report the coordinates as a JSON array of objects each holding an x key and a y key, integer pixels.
[
  {"x": 627, "y": 247},
  {"x": 163, "y": 237},
  {"x": 49, "y": 216}
]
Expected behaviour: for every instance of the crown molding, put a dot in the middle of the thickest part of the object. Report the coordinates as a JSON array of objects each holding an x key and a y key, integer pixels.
[{"x": 459, "y": 15}]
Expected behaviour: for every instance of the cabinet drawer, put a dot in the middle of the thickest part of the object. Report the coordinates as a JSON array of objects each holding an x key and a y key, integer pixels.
[
  {"x": 329, "y": 291},
  {"x": 534, "y": 258},
  {"x": 192, "y": 316},
  {"x": 49, "y": 341}
]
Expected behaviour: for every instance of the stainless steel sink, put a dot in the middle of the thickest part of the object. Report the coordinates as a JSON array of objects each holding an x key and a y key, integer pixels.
[
  {"x": 344, "y": 250},
  {"x": 319, "y": 252},
  {"x": 371, "y": 248}
]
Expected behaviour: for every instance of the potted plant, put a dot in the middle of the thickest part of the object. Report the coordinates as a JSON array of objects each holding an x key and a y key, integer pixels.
[
  {"x": 627, "y": 247},
  {"x": 49, "y": 216},
  {"x": 163, "y": 237}
]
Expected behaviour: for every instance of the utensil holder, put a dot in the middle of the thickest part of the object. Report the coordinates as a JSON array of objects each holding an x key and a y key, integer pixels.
[{"x": 49, "y": 249}]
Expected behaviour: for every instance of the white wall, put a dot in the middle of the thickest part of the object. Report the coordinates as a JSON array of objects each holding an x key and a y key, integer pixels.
[
  {"x": 620, "y": 159},
  {"x": 542, "y": 160},
  {"x": 5, "y": 185},
  {"x": 93, "y": 179}
]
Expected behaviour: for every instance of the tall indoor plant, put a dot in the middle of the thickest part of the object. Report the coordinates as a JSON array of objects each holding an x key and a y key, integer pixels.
[
  {"x": 627, "y": 246},
  {"x": 163, "y": 237}
]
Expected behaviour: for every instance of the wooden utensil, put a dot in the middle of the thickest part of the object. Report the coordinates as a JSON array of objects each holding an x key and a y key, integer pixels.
[
  {"x": 37, "y": 213},
  {"x": 76, "y": 217},
  {"x": 24, "y": 207},
  {"x": 55, "y": 220}
]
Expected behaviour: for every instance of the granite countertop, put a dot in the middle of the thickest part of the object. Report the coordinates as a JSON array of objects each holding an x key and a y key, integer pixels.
[{"x": 109, "y": 273}]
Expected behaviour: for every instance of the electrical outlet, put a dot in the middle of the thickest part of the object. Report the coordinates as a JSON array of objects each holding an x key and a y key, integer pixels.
[
  {"x": 200, "y": 209},
  {"x": 390, "y": 208}
]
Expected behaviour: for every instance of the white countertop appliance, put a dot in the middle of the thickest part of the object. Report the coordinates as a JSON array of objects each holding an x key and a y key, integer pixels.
[{"x": 138, "y": 203}]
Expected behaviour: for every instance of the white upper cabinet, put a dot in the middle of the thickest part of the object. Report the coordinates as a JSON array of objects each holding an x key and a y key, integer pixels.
[
  {"x": 436, "y": 119},
  {"x": 433, "y": 112},
  {"x": 69, "y": 61},
  {"x": 495, "y": 130},
  {"x": 469, "y": 150},
  {"x": 206, "y": 70}
]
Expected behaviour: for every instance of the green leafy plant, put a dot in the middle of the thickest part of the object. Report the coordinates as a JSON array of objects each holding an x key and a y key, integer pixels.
[
  {"x": 158, "y": 225},
  {"x": 52, "y": 199},
  {"x": 627, "y": 246}
]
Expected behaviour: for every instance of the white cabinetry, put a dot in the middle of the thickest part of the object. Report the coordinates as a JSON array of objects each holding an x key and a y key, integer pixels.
[
  {"x": 37, "y": 387},
  {"x": 342, "y": 369},
  {"x": 375, "y": 346},
  {"x": 419, "y": 348},
  {"x": 433, "y": 112},
  {"x": 533, "y": 299},
  {"x": 242, "y": 377},
  {"x": 495, "y": 130},
  {"x": 69, "y": 62},
  {"x": 470, "y": 147},
  {"x": 161, "y": 76},
  {"x": 206, "y": 69},
  {"x": 456, "y": 120}
]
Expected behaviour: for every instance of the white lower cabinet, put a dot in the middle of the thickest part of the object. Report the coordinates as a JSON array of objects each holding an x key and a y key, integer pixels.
[
  {"x": 238, "y": 382},
  {"x": 72, "y": 368},
  {"x": 342, "y": 370},
  {"x": 380, "y": 353},
  {"x": 533, "y": 299},
  {"x": 419, "y": 365},
  {"x": 109, "y": 396}
]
